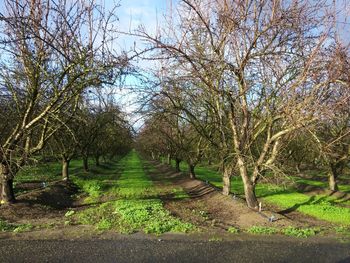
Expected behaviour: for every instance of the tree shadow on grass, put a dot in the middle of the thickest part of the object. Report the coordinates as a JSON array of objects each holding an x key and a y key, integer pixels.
[
  {"x": 311, "y": 201},
  {"x": 296, "y": 206}
]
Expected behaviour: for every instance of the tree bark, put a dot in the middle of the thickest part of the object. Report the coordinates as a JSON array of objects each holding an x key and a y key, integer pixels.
[
  {"x": 249, "y": 187},
  {"x": 226, "y": 179},
  {"x": 169, "y": 159},
  {"x": 65, "y": 169},
  {"x": 191, "y": 171},
  {"x": 177, "y": 165},
  {"x": 7, "y": 194},
  {"x": 332, "y": 179},
  {"x": 249, "y": 192},
  {"x": 97, "y": 160},
  {"x": 85, "y": 164}
]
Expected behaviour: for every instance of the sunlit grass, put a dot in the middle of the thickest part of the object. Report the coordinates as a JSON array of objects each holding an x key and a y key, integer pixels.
[
  {"x": 137, "y": 206},
  {"x": 321, "y": 206}
]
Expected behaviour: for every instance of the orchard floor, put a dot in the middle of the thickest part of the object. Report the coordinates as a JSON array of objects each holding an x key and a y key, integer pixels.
[{"x": 44, "y": 209}]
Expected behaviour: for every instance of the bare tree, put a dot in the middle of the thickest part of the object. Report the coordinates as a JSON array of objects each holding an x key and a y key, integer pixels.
[
  {"x": 258, "y": 67},
  {"x": 50, "y": 52}
]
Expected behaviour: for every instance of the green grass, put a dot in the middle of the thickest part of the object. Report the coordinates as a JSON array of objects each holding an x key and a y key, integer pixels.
[
  {"x": 288, "y": 231},
  {"x": 322, "y": 207},
  {"x": 101, "y": 180},
  {"x": 318, "y": 206},
  {"x": 45, "y": 172},
  {"x": 233, "y": 230},
  {"x": 16, "y": 228},
  {"x": 322, "y": 184},
  {"x": 137, "y": 208},
  {"x": 262, "y": 230},
  {"x": 300, "y": 232}
]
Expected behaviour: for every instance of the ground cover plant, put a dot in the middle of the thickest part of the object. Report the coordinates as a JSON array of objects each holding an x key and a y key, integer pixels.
[
  {"x": 136, "y": 207},
  {"x": 286, "y": 197}
]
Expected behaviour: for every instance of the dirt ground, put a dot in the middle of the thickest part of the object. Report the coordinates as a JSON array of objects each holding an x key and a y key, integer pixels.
[{"x": 45, "y": 207}]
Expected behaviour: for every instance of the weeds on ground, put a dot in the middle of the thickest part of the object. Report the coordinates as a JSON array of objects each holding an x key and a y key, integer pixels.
[
  {"x": 138, "y": 207},
  {"x": 16, "y": 228},
  {"x": 300, "y": 232},
  {"x": 233, "y": 230},
  {"x": 215, "y": 239},
  {"x": 262, "y": 230},
  {"x": 150, "y": 216}
]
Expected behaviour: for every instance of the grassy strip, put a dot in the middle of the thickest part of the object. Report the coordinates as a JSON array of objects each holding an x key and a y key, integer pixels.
[
  {"x": 320, "y": 206},
  {"x": 16, "y": 228},
  {"x": 138, "y": 207},
  {"x": 342, "y": 188},
  {"x": 99, "y": 181},
  {"x": 288, "y": 231}
]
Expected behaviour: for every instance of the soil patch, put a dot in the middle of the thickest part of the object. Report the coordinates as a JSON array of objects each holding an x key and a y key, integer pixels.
[{"x": 41, "y": 204}]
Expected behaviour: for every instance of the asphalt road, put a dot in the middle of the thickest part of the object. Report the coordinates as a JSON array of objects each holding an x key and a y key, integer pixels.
[{"x": 145, "y": 250}]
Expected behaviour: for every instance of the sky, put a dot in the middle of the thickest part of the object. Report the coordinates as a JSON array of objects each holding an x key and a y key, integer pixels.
[{"x": 132, "y": 14}]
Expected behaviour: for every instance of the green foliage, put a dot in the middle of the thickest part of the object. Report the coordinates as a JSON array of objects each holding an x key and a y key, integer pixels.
[
  {"x": 150, "y": 216},
  {"x": 4, "y": 226},
  {"x": 138, "y": 213},
  {"x": 300, "y": 232},
  {"x": 233, "y": 230},
  {"x": 262, "y": 230},
  {"x": 23, "y": 228},
  {"x": 138, "y": 206},
  {"x": 69, "y": 213},
  {"x": 342, "y": 229},
  {"x": 16, "y": 228},
  {"x": 99, "y": 216},
  {"x": 318, "y": 206}
]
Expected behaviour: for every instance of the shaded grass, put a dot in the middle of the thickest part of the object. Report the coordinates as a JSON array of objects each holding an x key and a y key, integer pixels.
[
  {"x": 322, "y": 184},
  {"x": 16, "y": 228},
  {"x": 101, "y": 180}
]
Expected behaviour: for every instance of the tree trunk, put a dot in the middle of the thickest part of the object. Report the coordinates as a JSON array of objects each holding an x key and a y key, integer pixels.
[
  {"x": 7, "y": 194},
  {"x": 332, "y": 179},
  {"x": 97, "y": 160},
  {"x": 249, "y": 187},
  {"x": 65, "y": 169},
  {"x": 85, "y": 164},
  {"x": 191, "y": 171},
  {"x": 169, "y": 159},
  {"x": 153, "y": 156},
  {"x": 249, "y": 192},
  {"x": 226, "y": 179},
  {"x": 177, "y": 165}
]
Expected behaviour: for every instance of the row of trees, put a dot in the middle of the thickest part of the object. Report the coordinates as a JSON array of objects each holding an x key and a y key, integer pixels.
[
  {"x": 52, "y": 53},
  {"x": 251, "y": 85}
]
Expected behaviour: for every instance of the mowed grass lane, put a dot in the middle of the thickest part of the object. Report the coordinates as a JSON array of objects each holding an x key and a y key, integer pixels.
[{"x": 136, "y": 207}]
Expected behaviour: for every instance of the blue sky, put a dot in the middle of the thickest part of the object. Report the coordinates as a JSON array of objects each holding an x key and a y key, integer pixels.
[{"x": 131, "y": 14}]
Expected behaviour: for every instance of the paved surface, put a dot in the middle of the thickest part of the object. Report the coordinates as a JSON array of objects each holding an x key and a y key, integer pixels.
[{"x": 145, "y": 250}]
